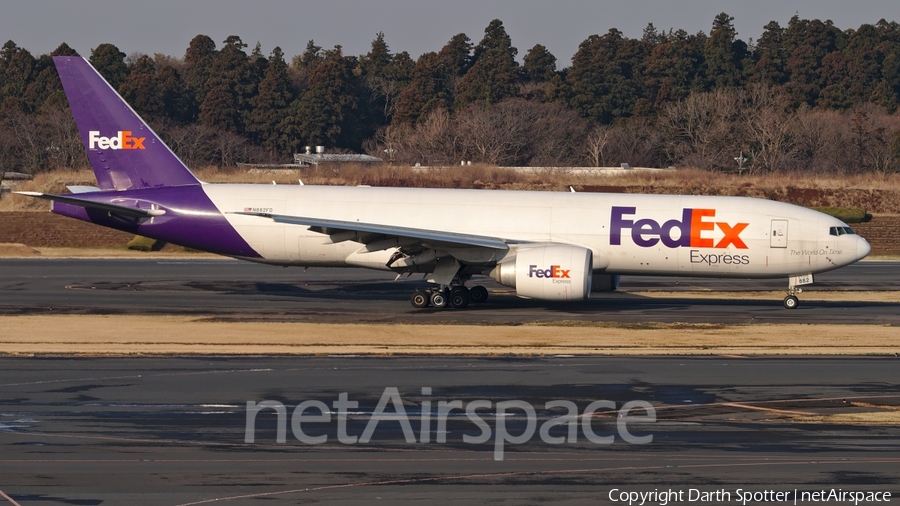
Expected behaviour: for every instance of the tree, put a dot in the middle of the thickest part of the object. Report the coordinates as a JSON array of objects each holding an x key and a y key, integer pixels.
[
  {"x": 18, "y": 69},
  {"x": 433, "y": 80},
  {"x": 326, "y": 114},
  {"x": 605, "y": 79},
  {"x": 672, "y": 70},
  {"x": 270, "y": 106},
  {"x": 723, "y": 54},
  {"x": 141, "y": 89},
  {"x": 382, "y": 89},
  {"x": 539, "y": 65},
  {"x": 110, "y": 63},
  {"x": 230, "y": 86},
  {"x": 177, "y": 100},
  {"x": 378, "y": 58},
  {"x": 425, "y": 91},
  {"x": 769, "y": 57},
  {"x": 807, "y": 43},
  {"x": 493, "y": 75},
  {"x": 198, "y": 61},
  {"x": 310, "y": 58}
]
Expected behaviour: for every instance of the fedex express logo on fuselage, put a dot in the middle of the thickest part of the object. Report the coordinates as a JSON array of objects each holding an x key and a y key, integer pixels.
[
  {"x": 122, "y": 140},
  {"x": 684, "y": 233}
]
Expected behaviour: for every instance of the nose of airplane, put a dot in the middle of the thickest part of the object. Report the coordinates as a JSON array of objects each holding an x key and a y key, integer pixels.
[{"x": 863, "y": 248}]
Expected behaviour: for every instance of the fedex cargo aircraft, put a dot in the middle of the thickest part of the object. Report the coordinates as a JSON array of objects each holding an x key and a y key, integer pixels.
[{"x": 545, "y": 245}]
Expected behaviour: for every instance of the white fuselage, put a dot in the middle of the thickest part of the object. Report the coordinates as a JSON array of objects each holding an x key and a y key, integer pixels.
[{"x": 663, "y": 235}]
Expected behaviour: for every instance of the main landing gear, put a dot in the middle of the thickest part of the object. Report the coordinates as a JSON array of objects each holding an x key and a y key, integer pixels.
[{"x": 457, "y": 297}]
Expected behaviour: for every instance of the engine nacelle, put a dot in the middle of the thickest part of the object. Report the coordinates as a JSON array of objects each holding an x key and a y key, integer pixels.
[
  {"x": 605, "y": 282},
  {"x": 548, "y": 272}
]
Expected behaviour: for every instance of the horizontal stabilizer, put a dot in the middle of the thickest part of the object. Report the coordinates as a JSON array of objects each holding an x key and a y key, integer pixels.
[
  {"x": 447, "y": 238},
  {"x": 83, "y": 189},
  {"x": 90, "y": 204}
]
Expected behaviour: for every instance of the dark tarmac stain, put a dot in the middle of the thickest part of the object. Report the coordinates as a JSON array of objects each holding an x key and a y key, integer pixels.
[{"x": 52, "y": 499}]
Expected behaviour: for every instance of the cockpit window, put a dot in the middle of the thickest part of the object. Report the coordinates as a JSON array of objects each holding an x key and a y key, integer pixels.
[{"x": 841, "y": 231}]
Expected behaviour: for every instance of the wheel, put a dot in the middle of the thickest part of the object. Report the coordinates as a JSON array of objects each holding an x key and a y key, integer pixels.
[
  {"x": 419, "y": 299},
  {"x": 459, "y": 297},
  {"x": 791, "y": 302},
  {"x": 439, "y": 299},
  {"x": 478, "y": 294}
]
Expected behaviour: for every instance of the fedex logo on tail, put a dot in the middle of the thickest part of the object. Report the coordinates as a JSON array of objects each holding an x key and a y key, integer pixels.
[
  {"x": 688, "y": 232},
  {"x": 122, "y": 140}
]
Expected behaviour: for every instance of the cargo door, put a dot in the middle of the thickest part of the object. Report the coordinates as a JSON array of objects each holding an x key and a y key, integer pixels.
[{"x": 779, "y": 234}]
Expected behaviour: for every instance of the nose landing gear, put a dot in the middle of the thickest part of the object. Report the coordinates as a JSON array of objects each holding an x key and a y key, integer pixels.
[
  {"x": 791, "y": 302},
  {"x": 794, "y": 282},
  {"x": 457, "y": 297}
]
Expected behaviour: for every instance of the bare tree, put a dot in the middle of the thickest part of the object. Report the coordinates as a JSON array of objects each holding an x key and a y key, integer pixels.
[
  {"x": 596, "y": 143},
  {"x": 769, "y": 129}
]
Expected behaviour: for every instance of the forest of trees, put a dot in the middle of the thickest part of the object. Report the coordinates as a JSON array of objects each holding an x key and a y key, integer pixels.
[{"x": 807, "y": 97}]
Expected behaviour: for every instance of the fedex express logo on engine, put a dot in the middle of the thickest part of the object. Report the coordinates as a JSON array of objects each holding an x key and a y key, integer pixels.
[
  {"x": 122, "y": 140},
  {"x": 685, "y": 233},
  {"x": 554, "y": 272}
]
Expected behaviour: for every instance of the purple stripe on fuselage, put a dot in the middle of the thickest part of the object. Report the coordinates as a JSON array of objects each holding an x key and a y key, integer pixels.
[{"x": 191, "y": 219}]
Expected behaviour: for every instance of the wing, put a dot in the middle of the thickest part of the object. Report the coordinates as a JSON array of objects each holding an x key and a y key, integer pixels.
[
  {"x": 90, "y": 204},
  {"x": 429, "y": 239}
]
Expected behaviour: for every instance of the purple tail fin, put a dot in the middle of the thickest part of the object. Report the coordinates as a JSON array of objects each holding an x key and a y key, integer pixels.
[{"x": 124, "y": 152}]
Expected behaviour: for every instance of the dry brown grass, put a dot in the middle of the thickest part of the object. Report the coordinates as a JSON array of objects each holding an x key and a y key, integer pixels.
[
  {"x": 17, "y": 250},
  {"x": 875, "y": 193},
  {"x": 163, "y": 334},
  {"x": 46, "y": 182}
]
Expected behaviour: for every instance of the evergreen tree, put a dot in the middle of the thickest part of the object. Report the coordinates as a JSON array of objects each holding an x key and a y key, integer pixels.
[
  {"x": 270, "y": 105},
  {"x": 64, "y": 50},
  {"x": 198, "y": 61},
  {"x": 650, "y": 35},
  {"x": 424, "y": 92},
  {"x": 110, "y": 63},
  {"x": 493, "y": 75},
  {"x": 539, "y": 65},
  {"x": 310, "y": 58},
  {"x": 769, "y": 57},
  {"x": 141, "y": 89},
  {"x": 230, "y": 85},
  {"x": 723, "y": 54},
  {"x": 326, "y": 113},
  {"x": 378, "y": 58},
  {"x": 605, "y": 81},
  {"x": 45, "y": 91},
  {"x": 673, "y": 68},
  {"x": 177, "y": 100},
  {"x": 18, "y": 69},
  {"x": 807, "y": 43},
  {"x": 434, "y": 79}
]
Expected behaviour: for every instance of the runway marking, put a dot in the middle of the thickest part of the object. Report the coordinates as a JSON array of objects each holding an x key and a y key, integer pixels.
[
  {"x": 770, "y": 410},
  {"x": 8, "y": 498},
  {"x": 529, "y": 473}
]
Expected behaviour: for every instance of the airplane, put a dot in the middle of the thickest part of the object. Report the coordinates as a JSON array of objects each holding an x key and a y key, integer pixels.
[{"x": 552, "y": 246}]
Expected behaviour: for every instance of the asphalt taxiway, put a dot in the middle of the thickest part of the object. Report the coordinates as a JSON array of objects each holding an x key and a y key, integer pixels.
[
  {"x": 172, "y": 431},
  {"x": 235, "y": 289}
]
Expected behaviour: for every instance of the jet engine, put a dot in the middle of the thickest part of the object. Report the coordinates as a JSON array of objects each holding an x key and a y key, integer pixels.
[{"x": 547, "y": 272}]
